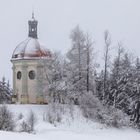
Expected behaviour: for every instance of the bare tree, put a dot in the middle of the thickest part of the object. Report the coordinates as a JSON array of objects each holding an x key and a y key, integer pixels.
[
  {"x": 107, "y": 40},
  {"x": 89, "y": 68}
]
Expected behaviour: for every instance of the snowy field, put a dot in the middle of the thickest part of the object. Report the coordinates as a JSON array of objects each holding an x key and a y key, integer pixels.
[{"x": 78, "y": 129}]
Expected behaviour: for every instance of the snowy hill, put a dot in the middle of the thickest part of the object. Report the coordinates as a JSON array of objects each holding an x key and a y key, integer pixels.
[{"x": 78, "y": 129}]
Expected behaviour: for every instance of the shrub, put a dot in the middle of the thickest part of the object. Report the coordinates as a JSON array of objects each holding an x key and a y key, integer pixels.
[
  {"x": 93, "y": 109},
  {"x": 24, "y": 127},
  {"x": 114, "y": 117},
  {"x": 54, "y": 113},
  {"x": 90, "y": 106},
  {"x": 20, "y": 116},
  {"x": 29, "y": 124},
  {"x": 32, "y": 120},
  {"x": 7, "y": 122}
]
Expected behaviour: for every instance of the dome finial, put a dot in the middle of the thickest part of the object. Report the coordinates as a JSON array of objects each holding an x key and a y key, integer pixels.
[{"x": 33, "y": 13}]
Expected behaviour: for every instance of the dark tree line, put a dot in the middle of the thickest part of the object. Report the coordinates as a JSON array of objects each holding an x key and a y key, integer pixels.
[{"x": 123, "y": 82}]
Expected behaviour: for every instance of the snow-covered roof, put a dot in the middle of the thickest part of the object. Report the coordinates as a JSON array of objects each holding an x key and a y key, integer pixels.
[{"x": 30, "y": 48}]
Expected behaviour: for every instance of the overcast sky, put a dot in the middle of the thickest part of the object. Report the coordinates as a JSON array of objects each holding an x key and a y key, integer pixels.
[{"x": 58, "y": 17}]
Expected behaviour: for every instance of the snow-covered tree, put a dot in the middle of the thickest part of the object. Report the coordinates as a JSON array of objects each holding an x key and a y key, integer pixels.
[
  {"x": 79, "y": 59},
  {"x": 116, "y": 75},
  {"x": 107, "y": 40},
  {"x": 7, "y": 122},
  {"x": 100, "y": 85},
  {"x": 136, "y": 79},
  {"x": 122, "y": 82},
  {"x": 5, "y": 91},
  {"x": 57, "y": 85}
]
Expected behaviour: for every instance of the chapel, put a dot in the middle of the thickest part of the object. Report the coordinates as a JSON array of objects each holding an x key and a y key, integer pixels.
[{"x": 30, "y": 68}]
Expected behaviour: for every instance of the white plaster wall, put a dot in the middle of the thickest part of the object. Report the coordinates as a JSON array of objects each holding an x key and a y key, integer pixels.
[
  {"x": 32, "y": 86},
  {"x": 18, "y": 83}
]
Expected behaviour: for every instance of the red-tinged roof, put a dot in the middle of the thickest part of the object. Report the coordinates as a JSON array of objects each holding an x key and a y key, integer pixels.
[{"x": 30, "y": 49}]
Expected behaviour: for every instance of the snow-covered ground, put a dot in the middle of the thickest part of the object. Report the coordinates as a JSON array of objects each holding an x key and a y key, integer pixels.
[
  {"x": 77, "y": 129},
  {"x": 52, "y": 134}
]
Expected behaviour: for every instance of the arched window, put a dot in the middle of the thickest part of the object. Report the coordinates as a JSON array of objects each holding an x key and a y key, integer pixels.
[
  {"x": 19, "y": 74},
  {"x": 32, "y": 74}
]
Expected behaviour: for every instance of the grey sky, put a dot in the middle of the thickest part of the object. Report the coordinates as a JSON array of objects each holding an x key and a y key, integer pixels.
[{"x": 57, "y": 18}]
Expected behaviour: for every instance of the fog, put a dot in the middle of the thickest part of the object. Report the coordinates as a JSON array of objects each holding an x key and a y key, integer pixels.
[{"x": 58, "y": 17}]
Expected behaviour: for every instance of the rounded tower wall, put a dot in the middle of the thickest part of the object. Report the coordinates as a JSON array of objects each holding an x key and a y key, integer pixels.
[{"x": 30, "y": 84}]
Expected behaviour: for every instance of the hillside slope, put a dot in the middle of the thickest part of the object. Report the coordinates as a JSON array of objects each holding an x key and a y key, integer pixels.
[{"x": 77, "y": 129}]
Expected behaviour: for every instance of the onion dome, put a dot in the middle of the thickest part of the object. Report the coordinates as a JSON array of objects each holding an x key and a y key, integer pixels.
[{"x": 31, "y": 48}]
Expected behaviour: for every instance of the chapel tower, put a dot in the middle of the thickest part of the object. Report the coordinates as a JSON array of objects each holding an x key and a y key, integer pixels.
[{"x": 33, "y": 27}]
